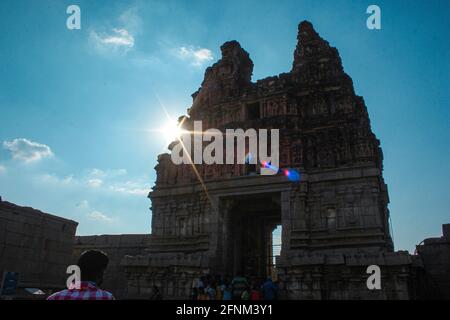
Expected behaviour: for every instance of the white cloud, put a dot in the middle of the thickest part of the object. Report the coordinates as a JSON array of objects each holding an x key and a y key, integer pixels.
[
  {"x": 95, "y": 183},
  {"x": 110, "y": 173},
  {"x": 28, "y": 151},
  {"x": 97, "y": 173},
  {"x": 197, "y": 56},
  {"x": 130, "y": 187},
  {"x": 118, "y": 40},
  {"x": 93, "y": 214},
  {"x": 103, "y": 181},
  {"x": 54, "y": 179},
  {"x": 121, "y": 37},
  {"x": 2, "y": 169},
  {"x": 111, "y": 180},
  {"x": 98, "y": 216}
]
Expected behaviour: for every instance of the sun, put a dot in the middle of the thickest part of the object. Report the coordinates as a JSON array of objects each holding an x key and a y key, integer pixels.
[{"x": 171, "y": 130}]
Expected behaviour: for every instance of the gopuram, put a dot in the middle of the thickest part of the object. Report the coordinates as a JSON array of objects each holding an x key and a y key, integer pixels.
[{"x": 219, "y": 219}]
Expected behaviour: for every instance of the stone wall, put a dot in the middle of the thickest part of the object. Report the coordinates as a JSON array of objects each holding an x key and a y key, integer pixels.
[
  {"x": 434, "y": 254},
  {"x": 35, "y": 244},
  {"x": 116, "y": 247},
  {"x": 172, "y": 273},
  {"x": 339, "y": 276}
]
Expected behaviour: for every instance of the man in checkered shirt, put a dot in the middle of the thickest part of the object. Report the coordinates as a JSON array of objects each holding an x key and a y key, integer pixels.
[{"x": 92, "y": 265}]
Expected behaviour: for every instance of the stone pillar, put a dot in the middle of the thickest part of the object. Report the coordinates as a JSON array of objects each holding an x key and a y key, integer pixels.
[{"x": 285, "y": 221}]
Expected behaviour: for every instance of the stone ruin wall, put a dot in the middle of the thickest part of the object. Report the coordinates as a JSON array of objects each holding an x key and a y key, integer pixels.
[{"x": 35, "y": 244}]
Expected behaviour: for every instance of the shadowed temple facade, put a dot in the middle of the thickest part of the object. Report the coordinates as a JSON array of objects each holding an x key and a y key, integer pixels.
[{"x": 219, "y": 219}]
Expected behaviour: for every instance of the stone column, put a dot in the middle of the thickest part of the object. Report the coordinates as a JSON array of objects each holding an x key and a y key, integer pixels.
[{"x": 285, "y": 221}]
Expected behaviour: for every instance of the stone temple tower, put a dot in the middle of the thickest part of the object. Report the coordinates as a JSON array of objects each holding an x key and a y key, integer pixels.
[{"x": 218, "y": 219}]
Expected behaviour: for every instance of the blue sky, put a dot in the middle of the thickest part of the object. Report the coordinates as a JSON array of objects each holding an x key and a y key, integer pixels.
[{"x": 77, "y": 105}]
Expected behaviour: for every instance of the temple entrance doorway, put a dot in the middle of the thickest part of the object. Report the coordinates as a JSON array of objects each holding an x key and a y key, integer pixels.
[{"x": 251, "y": 239}]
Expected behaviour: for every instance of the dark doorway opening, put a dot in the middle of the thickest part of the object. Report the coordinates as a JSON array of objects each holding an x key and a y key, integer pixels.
[{"x": 249, "y": 241}]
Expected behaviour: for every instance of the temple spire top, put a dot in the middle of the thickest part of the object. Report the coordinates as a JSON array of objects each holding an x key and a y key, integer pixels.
[
  {"x": 306, "y": 31},
  {"x": 315, "y": 61}
]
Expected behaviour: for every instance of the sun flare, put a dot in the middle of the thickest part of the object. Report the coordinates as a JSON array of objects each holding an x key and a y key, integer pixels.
[{"x": 171, "y": 130}]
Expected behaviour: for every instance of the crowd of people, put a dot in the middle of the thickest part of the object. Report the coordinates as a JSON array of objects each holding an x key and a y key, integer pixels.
[
  {"x": 92, "y": 265},
  {"x": 238, "y": 288}
]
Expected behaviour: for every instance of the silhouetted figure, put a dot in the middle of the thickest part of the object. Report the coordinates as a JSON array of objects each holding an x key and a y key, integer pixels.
[
  {"x": 211, "y": 292},
  {"x": 238, "y": 285},
  {"x": 202, "y": 294},
  {"x": 255, "y": 294},
  {"x": 269, "y": 290},
  {"x": 245, "y": 295},
  {"x": 227, "y": 294},
  {"x": 92, "y": 264}
]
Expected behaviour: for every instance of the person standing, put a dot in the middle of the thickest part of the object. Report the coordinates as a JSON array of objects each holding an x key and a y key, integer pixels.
[
  {"x": 255, "y": 294},
  {"x": 211, "y": 292},
  {"x": 269, "y": 290},
  {"x": 202, "y": 294},
  {"x": 238, "y": 285},
  {"x": 92, "y": 264},
  {"x": 246, "y": 294},
  {"x": 227, "y": 295}
]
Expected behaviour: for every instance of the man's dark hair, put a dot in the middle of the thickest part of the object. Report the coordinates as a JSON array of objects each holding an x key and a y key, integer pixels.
[{"x": 92, "y": 263}]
